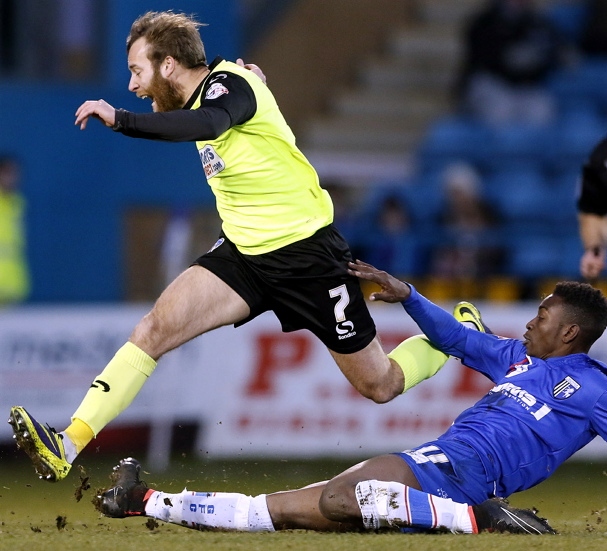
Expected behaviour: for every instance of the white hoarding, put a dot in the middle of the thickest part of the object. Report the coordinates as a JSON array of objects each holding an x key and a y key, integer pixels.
[{"x": 254, "y": 390}]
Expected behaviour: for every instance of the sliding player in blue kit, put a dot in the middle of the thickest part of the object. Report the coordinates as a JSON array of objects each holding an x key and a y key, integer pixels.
[{"x": 548, "y": 402}]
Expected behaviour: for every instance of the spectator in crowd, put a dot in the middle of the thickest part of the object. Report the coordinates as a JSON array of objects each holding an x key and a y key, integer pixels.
[
  {"x": 467, "y": 248},
  {"x": 593, "y": 40},
  {"x": 510, "y": 49},
  {"x": 392, "y": 242},
  {"x": 14, "y": 273}
]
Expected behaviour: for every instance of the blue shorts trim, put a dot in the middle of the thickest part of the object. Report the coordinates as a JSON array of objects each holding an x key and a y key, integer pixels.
[{"x": 449, "y": 469}]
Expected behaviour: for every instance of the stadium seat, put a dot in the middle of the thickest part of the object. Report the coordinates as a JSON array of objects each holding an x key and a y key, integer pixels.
[
  {"x": 575, "y": 135},
  {"x": 518, "y": 144},
  {"x": 569, "y": 19},
  {"x": 454, "y": 138},
  {"x": 518, "y": 195},
  {"x": 562, "y": 211},
  {"x": 582, "y": 85},
  {"x": 533, "y": 256}
]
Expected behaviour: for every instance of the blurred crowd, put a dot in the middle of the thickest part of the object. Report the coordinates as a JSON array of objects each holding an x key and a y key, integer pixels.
[{"x": 490, "y": 211}]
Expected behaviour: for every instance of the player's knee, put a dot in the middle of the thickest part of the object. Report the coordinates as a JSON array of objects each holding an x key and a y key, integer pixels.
[
  {"x": 338, "y": 502},
  {"x": 148, "y": 336},
  {"x": 379, "y": 393}
]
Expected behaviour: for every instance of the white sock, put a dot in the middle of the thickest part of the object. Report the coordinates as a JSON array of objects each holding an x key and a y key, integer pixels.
[
  {"x": 69, "y": 447},
  {"x": 228, "y": 511},
  {"x": 393, "y": 504},
  {"x": 259, "y": 516}
]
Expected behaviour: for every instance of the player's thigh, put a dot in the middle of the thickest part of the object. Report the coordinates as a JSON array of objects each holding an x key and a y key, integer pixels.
[
  {"x": 390, "y": 467},
  {"x": 194, "y": 303}
]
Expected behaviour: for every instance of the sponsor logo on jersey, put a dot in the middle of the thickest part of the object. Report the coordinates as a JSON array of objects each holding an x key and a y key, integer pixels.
[
  {"x": 216, "y": 90},
  {"x": 520, "y": 367},
  {"x": 523, "y": 398},
  {"x": 516, "y": 392},
  {"x": 345, "y": 330},
  {"x": 212, "y": 163},
  {"x": 217, "y": 244},
  {"x": 565, "y": 389}
]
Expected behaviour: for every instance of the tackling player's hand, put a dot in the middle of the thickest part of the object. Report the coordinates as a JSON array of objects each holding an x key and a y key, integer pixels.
[
  {"x": 393, "y": 290},
  {"x": 253, "y": 68},
  {"x": 98, "y": 109}
]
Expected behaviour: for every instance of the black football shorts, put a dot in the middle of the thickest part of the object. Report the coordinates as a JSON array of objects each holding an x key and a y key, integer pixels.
[{"x": 306, "y": 284}]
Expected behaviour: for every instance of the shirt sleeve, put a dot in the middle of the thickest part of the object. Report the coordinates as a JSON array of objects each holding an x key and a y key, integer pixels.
[
  {"x": 227, "y": 100},
  {"x": 488, "y": 354},
  {"x": 592, "y": 194},
  {"x": 599, "y": 416}
]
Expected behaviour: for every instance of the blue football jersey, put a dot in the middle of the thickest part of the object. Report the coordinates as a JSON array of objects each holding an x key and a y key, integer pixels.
[{"x": 538, "y": 414}]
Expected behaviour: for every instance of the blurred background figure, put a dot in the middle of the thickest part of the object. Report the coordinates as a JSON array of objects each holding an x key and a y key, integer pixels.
[
  {"x": 468, "y": 246},
  {"x": 510, "y": 50},
  {"x": 175, "y": 253},
  {"x": 593, "y": 40},
  {"x": 391, "y": 240},
  {"x": 14, "y": 273}
]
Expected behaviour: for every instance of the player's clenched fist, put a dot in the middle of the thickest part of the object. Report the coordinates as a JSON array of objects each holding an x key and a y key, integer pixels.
[{"x": 98, "y": 109}]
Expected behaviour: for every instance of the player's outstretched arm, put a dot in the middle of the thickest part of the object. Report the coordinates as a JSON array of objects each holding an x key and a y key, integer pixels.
[
  {"x": 98, "y": 109},
  {"x": 393, "y": 290}
]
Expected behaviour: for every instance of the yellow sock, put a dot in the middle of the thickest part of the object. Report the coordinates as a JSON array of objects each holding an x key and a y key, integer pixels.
[
  {"x": 80, "y": 434},
  {"x": 418, "y": 359},
  {"x": 113, "y": 390}
]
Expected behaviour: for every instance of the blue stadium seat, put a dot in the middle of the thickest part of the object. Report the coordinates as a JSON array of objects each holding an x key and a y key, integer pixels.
[
  {"x": 518, "y": 195},
  {"x": 454, "y": 138},
  {"x": 569, "y": 18},
  {"x": 571, "y": 251},
  {"x": 575, "y": 135},
  {"x": 519, "y": 144},
  {"x": 582, "y": 85},
  {"x": 533, "y": 256}
]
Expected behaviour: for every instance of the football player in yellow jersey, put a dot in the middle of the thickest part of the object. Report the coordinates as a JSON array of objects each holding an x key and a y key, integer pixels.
[{"x": 278, "y": 249}]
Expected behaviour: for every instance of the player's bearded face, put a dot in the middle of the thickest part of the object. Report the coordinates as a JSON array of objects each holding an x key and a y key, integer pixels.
[{"x": 167, "y": 96}]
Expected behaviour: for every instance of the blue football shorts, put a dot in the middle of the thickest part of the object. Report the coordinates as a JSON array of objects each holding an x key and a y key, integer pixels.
[{"x": 449, "y": 469}]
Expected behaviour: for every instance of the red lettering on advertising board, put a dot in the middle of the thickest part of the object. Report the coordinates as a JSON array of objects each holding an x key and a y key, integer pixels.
[{"x": 278, "y": 352}]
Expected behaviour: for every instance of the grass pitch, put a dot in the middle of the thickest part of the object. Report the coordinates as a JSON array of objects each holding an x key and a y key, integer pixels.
[{"x": 37, "y": 515}]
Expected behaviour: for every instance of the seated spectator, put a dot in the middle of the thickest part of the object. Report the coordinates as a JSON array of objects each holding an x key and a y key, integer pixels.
[
  {"x": 510, "y": 49},
  {"x": 469, "y": 247},
  {"x": 391, "y": 241}
]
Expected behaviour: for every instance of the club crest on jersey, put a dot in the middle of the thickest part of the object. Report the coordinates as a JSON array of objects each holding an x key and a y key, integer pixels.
[
  {"x": 518, "y": 368},
  {"x": 565, "y": 389},
  {"x": 215, "y": 90}
]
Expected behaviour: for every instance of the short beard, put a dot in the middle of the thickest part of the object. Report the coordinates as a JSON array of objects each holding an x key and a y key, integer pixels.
[{"x": 167, "y": 95}]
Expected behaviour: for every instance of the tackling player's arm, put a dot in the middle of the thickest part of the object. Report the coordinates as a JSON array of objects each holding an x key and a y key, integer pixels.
[{"x": 441, "y": 328}]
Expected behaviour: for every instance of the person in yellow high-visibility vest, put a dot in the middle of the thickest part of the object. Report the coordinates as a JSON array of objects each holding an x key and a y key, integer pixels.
[{"x": 14, "y": 271}]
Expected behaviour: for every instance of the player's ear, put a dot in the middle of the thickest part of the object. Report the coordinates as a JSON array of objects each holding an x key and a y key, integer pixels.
[
  {"x": 167, "y": 66},
  {"x": 570, "y": 332}
]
